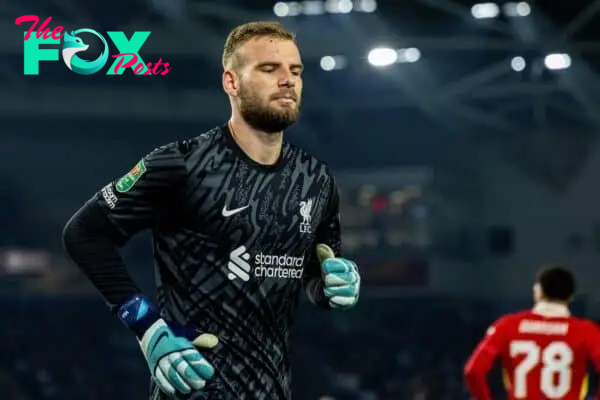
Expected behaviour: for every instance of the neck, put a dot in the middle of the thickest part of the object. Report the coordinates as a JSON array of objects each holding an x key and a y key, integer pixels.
[
  {"x": 551, "y": 308},
  {"x": 262, "y": 147}
]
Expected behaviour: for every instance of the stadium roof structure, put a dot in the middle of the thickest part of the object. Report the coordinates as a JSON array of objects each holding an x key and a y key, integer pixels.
[{"x": 479, "y": 73}]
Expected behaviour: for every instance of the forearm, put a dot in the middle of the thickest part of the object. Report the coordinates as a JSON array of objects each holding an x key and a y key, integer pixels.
[
  {"x": 478, "y": 387},
  {"x": 476, "y": 370},
  {"x": 93, "y": 244}
]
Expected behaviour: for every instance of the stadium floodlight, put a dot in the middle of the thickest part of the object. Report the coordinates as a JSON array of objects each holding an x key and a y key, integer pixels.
[
  {"x": 382, "y": 57},
  {"x": 410, "y": 55},
  {"x": 327, "y": 63},
  {"x": 557, "y": 61},
  {"x": 518, "y": 64},
  {"x": 520, "y": 9},
  {"x": 523, "y": 9},
  {"x": 330, "y": 63},
  {"x": 345, "y": 6},
  {"x": 287, "y": 9},
  {"x": 281, "y": 9},
  {"x": 318, "y": 7},
  {"x": 339, "y": 6},
  {"x": 313, "y": 7},
  {"x": 485, "y": 10},
  {"x": 367, "y": 6}
]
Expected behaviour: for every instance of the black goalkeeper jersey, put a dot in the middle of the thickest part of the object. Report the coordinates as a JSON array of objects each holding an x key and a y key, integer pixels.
[{"x": 234, "y": 243}]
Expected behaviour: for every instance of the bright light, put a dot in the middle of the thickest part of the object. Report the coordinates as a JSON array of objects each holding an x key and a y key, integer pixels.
[
  {"x": 410, "y": 55},
  {"x": 338, "y": 6},
  {"x": 367, "y": 6},
  {"x": 295, "y": 8},
  {"x": 521, "y": 9},
  {"x": 557, "y": 61},
  {"x": 381, "y": 57},
  {"x": 328, "y": 63},
  {"x": 281, "y": 9},
  {"x": 485, "y": 10},
  {"x": 287, "y": 9},
  {"x": 318, "y": 7},
  {"x": 331, "y": 6},
  {"x": 345, "y": 6},
  {"x": 518, "y": 64},
  {"x": 313, "y": 7}
]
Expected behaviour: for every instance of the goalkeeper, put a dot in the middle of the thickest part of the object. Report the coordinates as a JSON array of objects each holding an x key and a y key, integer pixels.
[{"x": 241, "y": 220}]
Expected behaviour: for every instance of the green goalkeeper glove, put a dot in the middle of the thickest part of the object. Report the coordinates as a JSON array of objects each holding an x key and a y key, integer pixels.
[
  {"x": 170, "y": 350},
  {"x": 340, "y": 277}
]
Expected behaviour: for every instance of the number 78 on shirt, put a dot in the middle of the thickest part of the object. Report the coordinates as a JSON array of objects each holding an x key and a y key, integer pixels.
[{"x": 128, "y": 56}]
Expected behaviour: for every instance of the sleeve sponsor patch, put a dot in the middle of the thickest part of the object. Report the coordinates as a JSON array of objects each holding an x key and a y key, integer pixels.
[
  {"x": 109, "y": 196},
  {"x": 128, "y": 180}
]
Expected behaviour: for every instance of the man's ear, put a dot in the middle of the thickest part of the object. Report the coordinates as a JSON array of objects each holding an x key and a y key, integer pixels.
[{"x": 230, "y": 83}]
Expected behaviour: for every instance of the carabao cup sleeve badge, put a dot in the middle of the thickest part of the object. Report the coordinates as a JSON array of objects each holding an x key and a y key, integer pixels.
[{"x": 128, "y": 180}]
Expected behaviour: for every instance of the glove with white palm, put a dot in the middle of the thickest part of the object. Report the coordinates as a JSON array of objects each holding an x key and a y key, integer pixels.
[
  {"x": 340, "y": 277},
  {"x": 171, "y": 351}
]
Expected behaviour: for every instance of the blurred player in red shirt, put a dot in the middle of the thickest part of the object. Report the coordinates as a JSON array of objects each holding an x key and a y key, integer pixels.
[{"x": 545, "y": 351}]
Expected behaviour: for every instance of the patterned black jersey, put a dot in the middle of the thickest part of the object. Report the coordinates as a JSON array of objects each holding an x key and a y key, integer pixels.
[{"x": 234, "y": 243}]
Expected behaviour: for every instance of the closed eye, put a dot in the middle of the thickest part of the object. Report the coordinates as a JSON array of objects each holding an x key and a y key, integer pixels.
[
  {"x": 296, "y": 69},
  {"x": 268, "y": 67}
]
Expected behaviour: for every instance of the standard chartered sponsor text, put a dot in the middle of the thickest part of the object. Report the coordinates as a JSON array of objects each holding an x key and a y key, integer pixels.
[
  {"x": 264, "y": 265},
  {"x": 274, "y": 266}
]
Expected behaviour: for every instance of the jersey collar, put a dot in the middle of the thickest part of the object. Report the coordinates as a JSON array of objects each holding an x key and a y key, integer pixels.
[
  {"x": 240, "y": 152},
  {"x": 552, "y": 310}
]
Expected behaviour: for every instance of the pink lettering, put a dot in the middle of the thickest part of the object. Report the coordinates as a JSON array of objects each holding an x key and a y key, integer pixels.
[
  {"x": 138, "y": 69},
  {"x": 28, "y": 18},
  {"x": 156, "y": 70},
  {"x": 42, "y": 31},
  {"x": 56, "y": 32},
  {"x": 148, "y": 71},
  {"x": 167, "y": 69},
  {"x": 130, "y": 63}
]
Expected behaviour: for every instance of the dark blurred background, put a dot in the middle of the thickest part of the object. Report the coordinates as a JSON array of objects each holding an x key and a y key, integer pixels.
[{"x": 463, "y": 136}]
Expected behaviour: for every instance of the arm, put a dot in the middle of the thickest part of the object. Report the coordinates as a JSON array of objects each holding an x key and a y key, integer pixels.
[
  {"x": 144, "y": 198},
  {"x": 481, "y": 361},
  {"x": 329, "y": 233},
  {"x": 593, "y": 344},
  {"x": 148, "y": 196},
  {"x": 593, "y": 348},
  {"x": 334, "y": 282}
]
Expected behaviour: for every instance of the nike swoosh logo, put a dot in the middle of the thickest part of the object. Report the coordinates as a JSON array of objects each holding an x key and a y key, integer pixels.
[
  {"x": 162, "y": 335},
  {"x": 229, "y": 213}
]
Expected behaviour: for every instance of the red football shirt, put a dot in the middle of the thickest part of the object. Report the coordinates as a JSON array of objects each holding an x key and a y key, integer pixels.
[{"x": 544, "y": 352}]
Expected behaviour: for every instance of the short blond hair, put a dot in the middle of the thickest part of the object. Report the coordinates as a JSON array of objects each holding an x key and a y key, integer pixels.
[{"x": 252, "y": 30}]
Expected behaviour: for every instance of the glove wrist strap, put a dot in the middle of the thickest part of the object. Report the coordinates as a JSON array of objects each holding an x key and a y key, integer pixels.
[{"x": 138, "y": 314}]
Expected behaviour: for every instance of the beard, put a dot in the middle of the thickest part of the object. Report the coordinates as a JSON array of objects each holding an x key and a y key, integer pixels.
[{"x": 265, "y": 118}]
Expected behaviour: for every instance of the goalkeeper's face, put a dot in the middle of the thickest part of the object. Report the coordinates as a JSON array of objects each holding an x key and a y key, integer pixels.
[{"x": 270, "y": 83}]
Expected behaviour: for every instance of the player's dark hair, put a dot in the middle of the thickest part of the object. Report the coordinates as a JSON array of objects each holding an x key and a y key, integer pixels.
[{"x": 557, "y": 283}]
